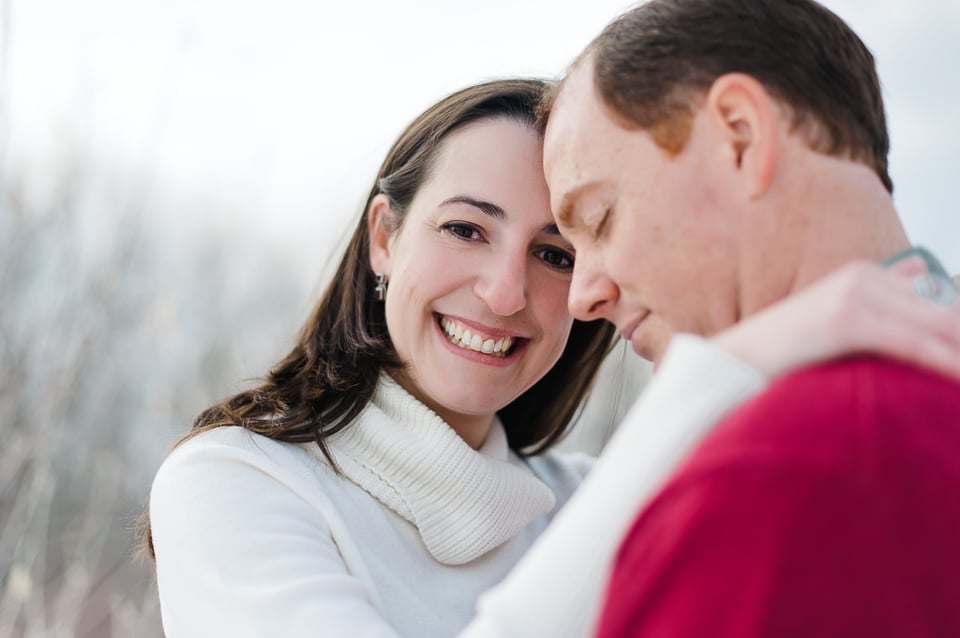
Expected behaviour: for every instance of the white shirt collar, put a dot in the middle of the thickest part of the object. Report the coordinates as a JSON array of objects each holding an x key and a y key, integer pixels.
[{"x": 463, "y": 502}]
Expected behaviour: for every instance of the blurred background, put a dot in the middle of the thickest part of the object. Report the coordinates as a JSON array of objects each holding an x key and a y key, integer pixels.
[{"x": 175, "y": 180}]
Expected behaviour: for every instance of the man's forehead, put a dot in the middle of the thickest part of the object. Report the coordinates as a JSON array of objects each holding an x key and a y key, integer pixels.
[
  {"x": 563, "y": 175},
  {"x": 569, "y": 105},
  {"x": 566, "y": 148}
]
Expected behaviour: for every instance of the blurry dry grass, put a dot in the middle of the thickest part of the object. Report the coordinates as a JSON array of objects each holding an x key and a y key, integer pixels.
[{"x": 114, "y": 333}]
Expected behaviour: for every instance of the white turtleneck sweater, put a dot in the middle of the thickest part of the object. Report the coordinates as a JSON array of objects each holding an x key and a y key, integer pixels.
[{"x": 255, "y": 537}]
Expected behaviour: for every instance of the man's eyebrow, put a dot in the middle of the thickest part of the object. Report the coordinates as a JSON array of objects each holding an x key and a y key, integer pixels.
[
  {"x": 486, "y": 207},
  {"x": 565, "y": 210},
  {"x": 564, "y": 213}
]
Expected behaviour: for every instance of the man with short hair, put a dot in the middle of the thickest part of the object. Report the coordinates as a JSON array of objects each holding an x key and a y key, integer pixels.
[{"x": 707, "y": 158}]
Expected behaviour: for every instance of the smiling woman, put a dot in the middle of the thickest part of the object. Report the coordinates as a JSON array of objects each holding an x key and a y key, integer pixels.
[
  {"x": 393, "y": 466},
  {"x": 477, "y": 254}
]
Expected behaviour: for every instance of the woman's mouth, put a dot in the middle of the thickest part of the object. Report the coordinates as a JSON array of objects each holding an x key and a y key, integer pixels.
[{"x": 473, "y": 339}]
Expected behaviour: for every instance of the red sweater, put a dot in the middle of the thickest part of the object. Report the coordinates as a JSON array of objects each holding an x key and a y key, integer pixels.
[{"x": 827, "y": 506}]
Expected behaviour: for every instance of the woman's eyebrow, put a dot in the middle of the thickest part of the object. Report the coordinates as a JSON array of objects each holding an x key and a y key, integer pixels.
[
  {"x": 486, "y": 207},
  {"x": 551, "y": 229},
  {"x": 496, "y": 212}
]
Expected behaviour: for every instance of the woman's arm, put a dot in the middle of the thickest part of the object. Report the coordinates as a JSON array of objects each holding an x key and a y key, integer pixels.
[{"x": 555, "y": 590}]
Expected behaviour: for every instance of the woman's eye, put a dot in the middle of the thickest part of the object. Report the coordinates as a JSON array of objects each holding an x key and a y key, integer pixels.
[
  {"x": 557, "y": 258},
  {"x": 463, "y": 230}
]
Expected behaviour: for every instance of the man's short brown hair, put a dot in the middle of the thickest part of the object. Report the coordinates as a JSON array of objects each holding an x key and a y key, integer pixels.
[{"x": 654, "y": 62}]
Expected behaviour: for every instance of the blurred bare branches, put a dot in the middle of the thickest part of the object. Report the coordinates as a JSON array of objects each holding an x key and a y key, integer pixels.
[{"x": 116, "y": 327}]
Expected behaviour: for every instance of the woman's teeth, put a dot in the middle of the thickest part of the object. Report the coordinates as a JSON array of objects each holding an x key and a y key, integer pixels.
[{"x": 462, "y": 336}]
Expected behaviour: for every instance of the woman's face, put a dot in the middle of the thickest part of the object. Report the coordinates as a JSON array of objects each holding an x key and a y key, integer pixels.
[{"x": 478, "y": 276}]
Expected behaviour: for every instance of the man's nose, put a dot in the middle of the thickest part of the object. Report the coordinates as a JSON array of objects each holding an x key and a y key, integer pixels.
[
  {"x": 503, "y": 284},
  {"x": 592, "y": 293}
]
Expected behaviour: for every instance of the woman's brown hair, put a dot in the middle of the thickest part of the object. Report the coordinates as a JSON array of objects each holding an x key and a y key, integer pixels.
[{"x": 329, "y": 376}]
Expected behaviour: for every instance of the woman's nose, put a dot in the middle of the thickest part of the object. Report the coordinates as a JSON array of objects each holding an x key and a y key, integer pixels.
[{"x": 503, "y": 284}]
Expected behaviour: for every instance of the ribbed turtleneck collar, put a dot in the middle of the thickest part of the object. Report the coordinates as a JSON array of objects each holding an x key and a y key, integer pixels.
[{"x": 464, "y": 502}]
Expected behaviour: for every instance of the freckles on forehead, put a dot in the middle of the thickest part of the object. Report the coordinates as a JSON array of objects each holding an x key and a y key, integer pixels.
[
  {"x": 554, "y": 155},
  {"x": 562, "y": 199},
  {"x": 570, "y": 142},
  {"x": 561, "y": 165}
]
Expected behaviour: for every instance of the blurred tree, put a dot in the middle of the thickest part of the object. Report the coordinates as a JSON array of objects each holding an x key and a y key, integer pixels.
[{"x": 114, "y": 333}]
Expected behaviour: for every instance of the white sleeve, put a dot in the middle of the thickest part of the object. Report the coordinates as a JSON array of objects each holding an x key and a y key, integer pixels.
[
  {"x": 216, "y": 512},
  {"x": 557, "y": 589}
]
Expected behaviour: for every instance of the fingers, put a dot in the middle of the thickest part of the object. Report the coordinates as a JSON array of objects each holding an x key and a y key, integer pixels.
[
  {"x": 928, "y": 337},
  {"x": 919, "y": 330},
  {"x": 892, "y": 320}
]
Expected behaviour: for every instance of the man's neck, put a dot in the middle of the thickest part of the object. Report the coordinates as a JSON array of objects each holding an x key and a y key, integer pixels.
[
  {"x": 851, "y": 216},
  {"x": 836, "y": 213}
]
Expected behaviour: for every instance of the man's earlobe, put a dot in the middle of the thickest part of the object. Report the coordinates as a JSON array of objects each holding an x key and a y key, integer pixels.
[{"x": 748, "y": 119}]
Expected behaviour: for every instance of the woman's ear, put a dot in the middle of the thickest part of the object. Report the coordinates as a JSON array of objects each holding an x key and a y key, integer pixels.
[
  {"x": 748, "y": 117},
  {"x": 379, "y": 217}
]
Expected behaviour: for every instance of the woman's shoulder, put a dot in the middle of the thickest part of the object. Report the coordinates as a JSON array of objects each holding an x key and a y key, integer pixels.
[
  {"x": 228, "y": 451},
  {"x": 233, "y": 442}
]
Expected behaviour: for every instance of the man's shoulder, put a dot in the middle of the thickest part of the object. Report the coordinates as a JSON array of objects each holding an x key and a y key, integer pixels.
[
  {"x": 860, "y": 379},
  {"x": 835, "y": 484},
  {"x": 828, "y": 414},
  {"x": 854, "y": 395}
]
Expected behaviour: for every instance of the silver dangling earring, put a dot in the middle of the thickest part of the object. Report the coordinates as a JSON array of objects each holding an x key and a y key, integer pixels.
[{"x": 381, "y": 289}]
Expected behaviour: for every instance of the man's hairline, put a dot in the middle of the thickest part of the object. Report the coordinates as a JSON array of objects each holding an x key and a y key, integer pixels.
[
  {"x": 552, "y": 96},
  {"x": 548, "y": 105},
  {"x": 548, "y": 100},
  {"x": 797, "y": 124}
]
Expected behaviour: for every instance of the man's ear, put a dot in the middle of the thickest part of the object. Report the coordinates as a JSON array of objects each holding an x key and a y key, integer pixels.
[
  {"x": 379, "y": 218},
  {"x": 748, "y": 118}
]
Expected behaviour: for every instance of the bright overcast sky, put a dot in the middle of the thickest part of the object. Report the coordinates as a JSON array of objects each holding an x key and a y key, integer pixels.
[{"x": 279, "y": 112}]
